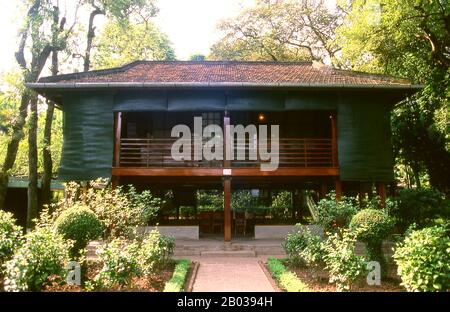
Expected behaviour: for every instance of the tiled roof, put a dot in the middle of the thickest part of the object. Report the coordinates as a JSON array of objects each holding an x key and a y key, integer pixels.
[{"x": 221, "y": 72}]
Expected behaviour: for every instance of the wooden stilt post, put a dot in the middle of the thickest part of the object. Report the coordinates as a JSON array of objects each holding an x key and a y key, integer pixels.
[
  {"x": 323, "y": 189},
  {"x": 114, "y": 182},
  {"x": 227, "y": 209},
  {"x": 118, "y": 131},
  {"x": 338, "y": 186},
  {"x": 381, "y": 190}
]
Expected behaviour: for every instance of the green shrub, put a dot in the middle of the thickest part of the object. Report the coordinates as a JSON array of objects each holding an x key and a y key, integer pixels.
[
  {"x": 341, "y": 262},
  {"x": 303, "y": 247},
  {"x": 294, "y": 244},
  {"x": 287, "y": 280},
  {"x": 420, "y": 206},
  {"x": 155, "y": 251},
  {"x": 281, "y": 207},
  {"x": 176, "y": 283},
  {"x": 332, "y": 214},
  {"x": 120, "y": 264},
  {"x": 79, "y": 224},
  {"x": 423, "y": 259},
  {"x": 10, "y": 236},
  {"x": 371, "y": 227},
  {"x": 43, "y": 254},
  {"x": 121, "y": 212},
  {"x": 313, "y": 254}
]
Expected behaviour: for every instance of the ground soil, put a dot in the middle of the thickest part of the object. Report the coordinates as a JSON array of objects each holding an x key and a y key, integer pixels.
[
  {"x": 317, "y": 281},
  {"x": 152, "y": 283}
]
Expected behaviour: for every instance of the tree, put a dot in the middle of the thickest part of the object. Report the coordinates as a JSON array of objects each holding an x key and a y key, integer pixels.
[
  {"x": 281, "y": 30},
  {"x": 408, "y": 38},
  {"x": 38, "y": 30},
  {"x": 120, "y": 11},
  {"x": 119, "y": 44},
  {"x": 197, "y": 57}
]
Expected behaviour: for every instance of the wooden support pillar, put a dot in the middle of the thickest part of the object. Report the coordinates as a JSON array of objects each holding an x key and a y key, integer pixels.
[
  {"x": 338, "y": 187},
  {"x": 323, "y": 189},
  {"x": 381, "y": 191},
  {"x": 227, "y": 209},
  {"x": 334, "y": 145},
  {"x": 117, "y": 138},
  {"x": 115, "y": 182}
]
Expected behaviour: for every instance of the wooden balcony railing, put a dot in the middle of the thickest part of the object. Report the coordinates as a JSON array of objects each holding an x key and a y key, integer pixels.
[{"x": 293, "y": 152}]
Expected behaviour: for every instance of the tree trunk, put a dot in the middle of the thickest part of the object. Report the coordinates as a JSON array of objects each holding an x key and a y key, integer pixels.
[
  {"x": 32, "y": 211},
  {"x": 90, "y": 38},
  {"x": 13, "y": 145},
  {"x": 46, "y": 193}
]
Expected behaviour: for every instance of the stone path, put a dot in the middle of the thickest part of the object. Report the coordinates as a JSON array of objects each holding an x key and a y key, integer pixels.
[{"x": 230, "y": 274}]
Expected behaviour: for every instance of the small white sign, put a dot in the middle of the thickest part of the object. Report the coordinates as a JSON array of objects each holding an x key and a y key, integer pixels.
[{"x": 226, "y": 172}]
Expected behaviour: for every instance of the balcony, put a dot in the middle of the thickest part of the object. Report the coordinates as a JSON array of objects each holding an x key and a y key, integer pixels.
[{"x": 293, "y": 152}]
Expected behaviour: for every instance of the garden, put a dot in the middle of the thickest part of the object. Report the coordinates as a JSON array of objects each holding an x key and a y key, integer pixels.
[
  {"x": 403, "y": 246},
  {"x": 53, "y": 255}
]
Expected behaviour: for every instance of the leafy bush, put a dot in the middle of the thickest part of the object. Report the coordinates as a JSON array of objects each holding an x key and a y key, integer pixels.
[
  {"x": 43, "y": 254},
  {"x": 294, "y": 244},
  {"x": 120, "y": 264},
  {"x": 79, "y": 224},
  {"x": 341, "y": 262},
  {"x": 372, "y": 226},
  {"x": 209, "y": 200},
  {"x": 155, "y": 251},
  {"x": 420, "y": 206},
  {"x": 423, "y": 259},
  {"x": 176, "y": 283},
  {"x": 10, "y": 236},
  {"x": 281, "y": 205},
  {"x": 332, "y": 213},
  {"x": 287, "y": 279},
  {"x": 121, "y": 212},
  {"x": 304, "y": 247}
]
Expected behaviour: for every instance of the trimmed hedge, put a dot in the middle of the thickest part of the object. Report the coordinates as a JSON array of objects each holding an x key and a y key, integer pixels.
[
  {"x": 286, "y": 279},
  {"x": 176, "y": 283}
]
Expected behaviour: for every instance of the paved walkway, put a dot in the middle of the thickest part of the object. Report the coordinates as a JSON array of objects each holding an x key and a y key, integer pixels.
[{"x": 230, "y": 274}]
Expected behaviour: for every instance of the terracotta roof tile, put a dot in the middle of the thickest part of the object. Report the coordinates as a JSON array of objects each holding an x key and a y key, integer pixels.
[{"x": 227, "y": 72}]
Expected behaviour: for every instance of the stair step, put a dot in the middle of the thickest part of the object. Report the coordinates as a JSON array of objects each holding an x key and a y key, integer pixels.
[{"x": 227, "y": 253}]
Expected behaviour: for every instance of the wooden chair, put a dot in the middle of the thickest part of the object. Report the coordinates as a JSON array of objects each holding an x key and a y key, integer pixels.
[
  {"x": 240, "y": 222},
  {"x": 205, "y": 222},
  {"x": 217, "y": 222}
]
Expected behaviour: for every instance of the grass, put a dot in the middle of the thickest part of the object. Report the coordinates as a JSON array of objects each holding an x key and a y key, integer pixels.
[
  {"x": 285, "y": 278},
  {"x": 176, "y": 283}
]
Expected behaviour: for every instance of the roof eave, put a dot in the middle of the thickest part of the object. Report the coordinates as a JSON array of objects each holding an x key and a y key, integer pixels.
[{"x": 151, "y": 85}]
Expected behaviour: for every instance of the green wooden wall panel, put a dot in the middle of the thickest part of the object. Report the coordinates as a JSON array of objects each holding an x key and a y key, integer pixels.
[
  {"x": 255, "y": 101},
  {"x": 318, "y": 100},
  {"x": 140, "y": 101},
  {"x": 196, "y": 101},
  {"x": 88, "y": 136},
  {"x": 364, "y": 140}
]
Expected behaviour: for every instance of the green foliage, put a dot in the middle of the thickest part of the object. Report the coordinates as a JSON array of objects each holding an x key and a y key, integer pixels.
[
  {"x": 176, "y": 283},
  {"x": 279, "y": 31},
  {"x": 80, "y": 224},
  {"x": 304, "y": 247},
  {"x": 408, "y": 38},
  {"x": 155, "y": 251},
  {"x": 209, "y": 200},
  {"x": 119, "y": 211},
  {"x": 120, "y": 44},
  {"x": 10, "y": 236},
  {"x": 281, "y": 205},
  {"x": 372, "y": 225},
  {"x": 44, "y": 253},
  {"x": 420, "y": 206},
  {"x": 332, "y": 213},
  {"x": 343, "y": 265},
  {"x": 423, "y": 259},
  {"x": 286, "y": 279},
  {"x": 242, "y": 200},
  {"x": 120, "y": 264}
]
